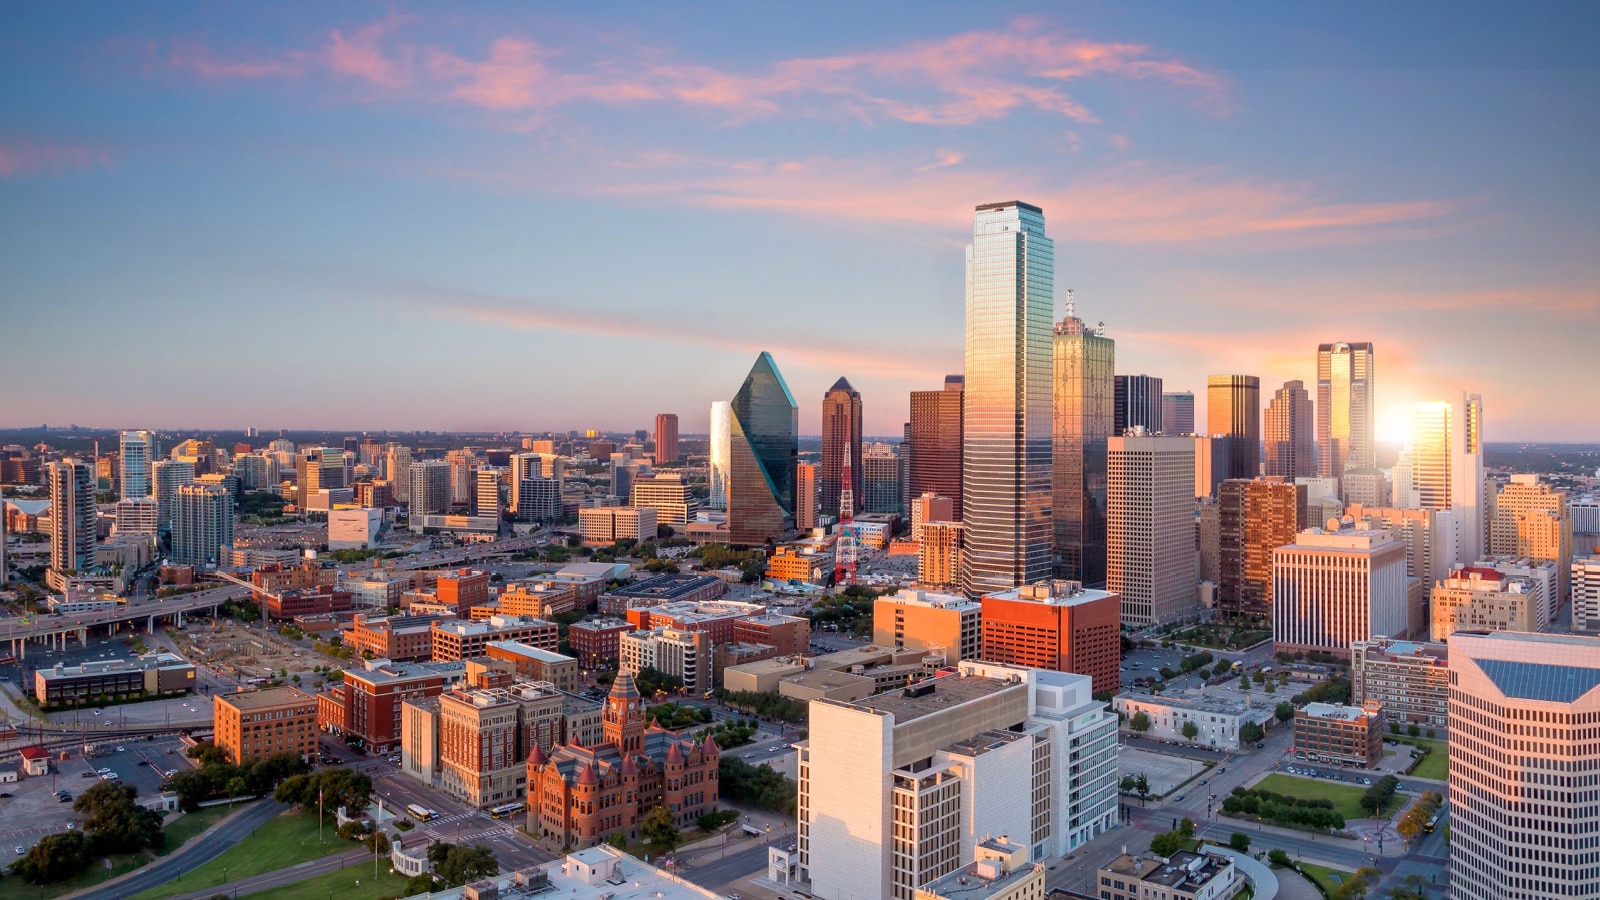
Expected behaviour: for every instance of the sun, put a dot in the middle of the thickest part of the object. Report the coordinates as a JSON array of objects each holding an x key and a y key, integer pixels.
[{"x": 1393, "y": 424}]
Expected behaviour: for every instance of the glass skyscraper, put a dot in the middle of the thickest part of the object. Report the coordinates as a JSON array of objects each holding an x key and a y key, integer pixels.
[
  {"x": 1005, "y": 478},
  {"x": 137, "y": 449},
  {"x": 1345, "y": 413},
  {"x": 764, "y": 445},
  {"x": 720, "y": 463},
  {"x": 1084, "y": 363},
  {"x": 841, "y": 439}
]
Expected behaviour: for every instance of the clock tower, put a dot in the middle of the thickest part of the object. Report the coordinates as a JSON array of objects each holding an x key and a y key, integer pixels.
[{"x": 623, "y": 719}]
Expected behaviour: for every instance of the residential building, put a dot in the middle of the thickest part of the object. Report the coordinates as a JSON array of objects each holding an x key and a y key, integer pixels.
[
  {"x": 719, "y": 456},
  {"x": 666, "y": 438},
  {"x": 939, "y": 554},
  {"x": 1057, "y": 625},
  {"x": 149, "y": 676},
  {"x": 606, "y": 525},
  {"x": 1006, "y": 417},
  {"x": 787, "y": 635},
  {"x": 1182, "y": 876},
  {"x": 397, "y": 469},
  {"x": 535, "y": 664},
  {"x": 1523, "y": 710},
  {"x": 1343, "y": 735},
  {"x": 1291, "y": 448},
  {"x": 166, "y": 476},
  {"x": 257, "y": 471},
  {"x": 1254, "y": 518},
  {"x": 805, "y": 496},
  {"x": 1531, "y": 519},
  {"x": 1137, "y": 401},
  {"x": 764, "y": 436},
  {"x": 841, "y": 446},
  {"x": 487, "y": 490},
  {"x": 1177, "y": 412},
  {"x": 353, "y": 529},
  {"x": 534, "y": 493},
  {"x": 261, "y": 723},
  {"x": 934, "y": 466},
  {"x": 428, "y": 488},
  {"x": 1346, "y": 411},
  {"x": 366, "y": 703},
  {"x": 72, "y": 516},
  {"x": 321, "y": 469},
  {"x": 138, "y": 449},
  {"x": 1000, "y": 871},
  {"x": 990, "y": 750},
  {"x": 1218, "y": 720},
  {"x": 202, "y": 524},
  {"x": 455, "y": 639},
  {"x": 1447, "y": 467},
  {"x": 668, "y": 495},
  {"x": 925, "y": 620},
  {"x": 1584, "y": 576},
  {"x": 1332, "y": 587},
  {"x": 1083, "y": 418},
  {"x": 396, "y": 638},
  {"x": 1410, "y": 679},
  {"x": 138, "y": 515},
  {"x": 677, "y": 652},
  {"x": 880, "y": 480},
  {"x": 579, "y": 795},
  {"x": 1233, "y": 410},
  {"x": 595, "y": 641},
  {"x": 1151, "y": 561},
  {"x": 1478, "y": 598}
]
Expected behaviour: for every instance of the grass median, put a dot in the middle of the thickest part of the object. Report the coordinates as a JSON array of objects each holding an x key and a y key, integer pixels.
[
  {"x": 287, "y": 840},
  {"x": 1346, "y": 798},
  {"x": 1435, "y": 765},
  {"x": 1329, "y": 879},
  {"x": 354, "y": 882}
]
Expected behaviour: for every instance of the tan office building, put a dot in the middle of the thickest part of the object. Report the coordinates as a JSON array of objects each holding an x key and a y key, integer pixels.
[
  {"x": 259, "y": 724},
  {"x": 1151, "y": 562},
  {"x": 923, "y": 619},
  {"x": 939, "y": 554},
  {"x": 1475, "y": 598},
  {"x": 1531, "y": 520},
  {"x": 1409, "y": 678}
]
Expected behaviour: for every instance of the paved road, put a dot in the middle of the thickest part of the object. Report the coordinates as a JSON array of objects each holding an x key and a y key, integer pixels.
[
  {"x": 711, "y": 872},
  {"x": 197, "y": 853},
  {"x": 268, "y": 880}
]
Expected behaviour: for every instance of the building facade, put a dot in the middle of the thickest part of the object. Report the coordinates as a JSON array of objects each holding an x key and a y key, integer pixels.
[
  {"x": 138, "y": 449},
  {"x": 1344, "y": 735},
  {"x": 764, "y": 430},
  {"x": 1478, "y": 598},
  {"x": 1254, "y": 518},
  {"x": 1530, "y": 519},
  {"x": 72, "y": 516},
  {"x": 841, "y": 445},
  {"x": 939, "y": 554},
  {"x": 1331, "y": 588},
  {"x": 1177, "y": 412},
  {"x": 1447, "y": 467},
  {"x": 1290, "y": 444},
  {"x": 666, "y": 438},
  {"x": 1151, "y": 561},
  {"x": 1083, "y": 417},
  {"x": 1346, "y": 414},
  {"x": 924, "y": 620},
  {"x": 1060, "y": 626},
  {"x": 935, "y": 454},
  {"x": 1233, "y": 410},
  {"x": 1411, "y": 680},
  {"x": 1136, "y": 401},
  {"x": 259, "y": 724},
  {"x": 1218, "y": 720}
]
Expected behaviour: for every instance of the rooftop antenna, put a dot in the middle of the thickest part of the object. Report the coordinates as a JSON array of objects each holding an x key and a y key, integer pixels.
[{"x": 1071, "y": 306}]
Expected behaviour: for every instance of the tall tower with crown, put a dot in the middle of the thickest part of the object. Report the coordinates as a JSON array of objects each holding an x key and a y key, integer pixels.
[{"x": 623, "y": 719}]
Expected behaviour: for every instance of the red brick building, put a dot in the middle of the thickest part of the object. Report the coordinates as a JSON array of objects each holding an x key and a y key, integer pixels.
[
  {"x": 275, "y": 579},
  {"x": 321, "y": 600},
  {"x": 463, "y": 589},
  {"x": 400, "y": 638},
  {"x": 455, "y": 639},
  {"x": 791, "y": 635},
  {"x": 1057, "y": 625},
  {"x": 579, "y": 796},
  {"x": 367, "y": 703},
  {"x": 594, "y": 641},
  {"x": 715, "y": 618}
]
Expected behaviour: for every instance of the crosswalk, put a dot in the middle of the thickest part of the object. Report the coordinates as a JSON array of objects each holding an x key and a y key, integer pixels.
[{"x": 438, "y": 834}]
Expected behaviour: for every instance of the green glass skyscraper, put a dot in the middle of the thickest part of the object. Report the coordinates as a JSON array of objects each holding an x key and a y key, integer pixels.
[{"x": 764, "y": 445}]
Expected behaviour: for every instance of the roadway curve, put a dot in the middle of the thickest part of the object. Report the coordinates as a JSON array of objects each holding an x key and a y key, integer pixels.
[{"x": 203, "y": 849}]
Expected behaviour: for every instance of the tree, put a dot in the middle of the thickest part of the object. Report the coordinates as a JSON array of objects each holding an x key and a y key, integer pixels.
[
  {"x": 1250, "y": 732},
  {"x": 1142, "y": 786},
  {"x": 1377, "y": 796},
  {"x": 116, "y": 823},
  {"x": 1186, "y": 828},
  {"x": 1270, "y": 687},
  {"x": 377, "y": 843},
  {"x": 419, "y": 884},
  {"x": 618, "y": 840},
  {"x": 1284, "y": 712},
  {"x": 55, "y": 857},
  {"x": 1394, "y": 727},
  {"x": 1190, "y": 730},
  {"x": 1410, "y": 824},
  {"x": 1239, "y": 841},
  {"x": 1128, "y": 784},
  {"x": 457, "y": 864},
  {"x": 1414, "y": 730},
  {"x": 659, "y": 829},
  {"x": 1166, "y": 844},
  {"x": 1278, "y": 857},
  {"x": 236, "y": 788},
  {"x": 206, "y": 753},
  {"x": 1140, "y": 722}
]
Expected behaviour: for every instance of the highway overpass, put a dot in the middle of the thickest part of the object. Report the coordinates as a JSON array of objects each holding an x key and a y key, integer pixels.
[{"x": 53, "y": 630}]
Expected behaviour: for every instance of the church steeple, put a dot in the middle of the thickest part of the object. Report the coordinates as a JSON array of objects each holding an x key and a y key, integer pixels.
[{"x": 623, "y": 718}]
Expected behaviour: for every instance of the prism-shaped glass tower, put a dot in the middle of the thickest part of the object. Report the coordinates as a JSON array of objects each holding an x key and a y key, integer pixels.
[{"x": 764, "y": 444}]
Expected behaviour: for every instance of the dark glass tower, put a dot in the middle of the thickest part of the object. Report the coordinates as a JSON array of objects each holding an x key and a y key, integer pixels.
[
  {"x": 764, "y": 444},
  {"x": 841, "y": 439},
  {"x": 1083, "y": 361}
]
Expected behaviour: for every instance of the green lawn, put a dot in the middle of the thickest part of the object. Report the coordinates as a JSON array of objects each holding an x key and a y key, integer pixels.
[
  {"x": 121, "y": 864},
  {"x": 1330, "y": 879},
  {"x": 1346, "y": 797},
  {"x": 1436, "y": 765},
  {"x": 350, "y": 883},
  {"x": 185, "y": 827},
  {"x": 282, "y": 842}
]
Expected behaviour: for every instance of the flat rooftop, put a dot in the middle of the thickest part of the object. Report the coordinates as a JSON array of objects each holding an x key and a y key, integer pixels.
[
  {"x": 917, "y": 699},
  {"x": 489, "y": 625},
  {"x": 1053, "y": 593},
  {"x": 665, "y": 587},
  {"x": 983, "y": 742},
  {"x": 1211, "y": 703},
  {"x": 522, "y": 649},
  {"x": 266, "y": 698},
  {"x": 966, "y": 884},
  {"x": 1332, "y": 711}
]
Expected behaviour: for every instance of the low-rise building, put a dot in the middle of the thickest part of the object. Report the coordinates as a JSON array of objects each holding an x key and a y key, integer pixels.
[
  {"x": 263, "y": 723},
  {"x": 74, "y": 601},
  {"x": 455, "y": 639},
  {"x": 850, "y": 675},
  {"x": 715, "y": 618},
  {"x": 1477, "y": 598},
  {"x": 315, "y": 601},
  {"x": 805, "y": 565},
  {"x": 1410, "y": 679},
  {"x": 540, "y": 599},
  {"x": 659, "y": 589},
  {"x": 1183, "y": 876},
  {"x": 1000, "y": 871},
  {"x": 353, "y": 529},
  {"x": 605, "y": 525},
  {"x": 762, "y": 676},
  {"x": 785, "y": 634},
  {"x": 922, "y": 619},
  {"x": 150, "y": 676},
  {"x": 400, "y": 638},
  {"x": 536, "y": 664},
  {"x": 366, "y": 703},
  {"x": 377, "y": 588},
  {"x": 1217, "y": 720},
  {"x": 1347, "y": 735},
  {"x": 595, "y": 641}
]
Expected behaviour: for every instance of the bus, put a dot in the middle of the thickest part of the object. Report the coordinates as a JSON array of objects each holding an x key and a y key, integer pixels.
[
  {"x": 419, "y": 812},
  {"x": 1431, "y": 824},
  {"x": 508, "y": 809}
]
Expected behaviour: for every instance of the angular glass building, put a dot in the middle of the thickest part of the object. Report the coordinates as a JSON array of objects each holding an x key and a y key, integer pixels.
[
  {"x": 1005, "y": 478},
  {"x": 764, "y": 445},
  {"x": 1084, "y": 362}
]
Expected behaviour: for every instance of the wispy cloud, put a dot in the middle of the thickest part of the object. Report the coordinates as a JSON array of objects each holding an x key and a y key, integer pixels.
[{"x": 25, "y": 156}]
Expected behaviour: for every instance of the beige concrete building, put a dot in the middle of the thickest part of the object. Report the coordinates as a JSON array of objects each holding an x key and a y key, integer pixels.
[
  {"x": 896, "y": 790},
  {"x": 1523, "y": 713},
  {"x": 605, "y": 525},
  {"x": 536, "y": 664},
  {"x": 679, "y": 652},
  {"x": 1531, "y": 520},
  {"x": 1218, "y": 718},
  {"x": 804, "y": 564},
  {"x": 1150, "y": 530},
  {"x": 1476, "y": 598},
  {"x": 1335, "y": 586},
  {"x": 762, "y": 676},
  {"x": 454, "y": 639},
  {"x": 1001, "y": 871},
  {"x": 668, "y": 494},
  {"x": 1430, "y": 536},
  {"x": 939, "y": 554},
  {"x": 1183, "y": 876},
  {"x": 923, "y": 619},
  {"x": 1410, "y": 679},
  {"x": 259, "y": 724}
]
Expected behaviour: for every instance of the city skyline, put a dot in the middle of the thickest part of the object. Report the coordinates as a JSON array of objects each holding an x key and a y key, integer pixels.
[{"x": 413, "y": 180}]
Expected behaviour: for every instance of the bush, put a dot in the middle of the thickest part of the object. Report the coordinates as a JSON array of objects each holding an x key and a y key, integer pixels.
[
  {"x": 1279, "y": 857},
  {"x": 1239, "y": 841},
  {"x": 1166, "y": 844},
  {"x": 715, "y": 819}
]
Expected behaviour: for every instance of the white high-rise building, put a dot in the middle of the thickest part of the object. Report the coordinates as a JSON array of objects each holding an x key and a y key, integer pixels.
[
  {"x": 1585, "y": 578},
  {"x": 397, "y": 468},
  {"x": 1447, "y": 466},
  {"x": 1331, "y": 588},
  {"x": 138, "y": 448},
  {"x": 897, "y": 789},
  {"x": 1346, "y": 414},
  {"x": 535, "y": 487},
  {"x": 429, "y": 487},
  {"x": 1007, "y": 421},
  {"x": 166, "y": 476},
  {"x": 486, "y": 491},
  {"x": 1524, "y": 762},
  {"x": 1151, "y": 556},
  {"x": 72, "y": 515},
  {"x": 138, "y": 515},
  {"x": 720, "y": 457},
  {"x": 202, "y": 524},
  {"x": 257, "y": 471}
]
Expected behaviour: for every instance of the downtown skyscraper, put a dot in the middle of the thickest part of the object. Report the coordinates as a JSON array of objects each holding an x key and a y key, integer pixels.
[
  {"x": 138, "y": 449},
  {"x": 841, "y": 445},
  {"x": 1288, "y": 426},
  {"x": 1005, "y": 477},
  {"x": 764, "y": 445},
  {"x": 719, "y": 458},
  {"x": 1447, "y": 467},
  {"x": 1137, "y": 401},
  {"x": 1345, "y": 410},
  {"x": 934, "y": 431},
  {"x": 1084, "y": 361},
  {"x": 1233, "y": 409}
]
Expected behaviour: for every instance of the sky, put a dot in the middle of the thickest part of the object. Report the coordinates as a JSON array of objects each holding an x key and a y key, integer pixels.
[{"x": 541, "y": 216}]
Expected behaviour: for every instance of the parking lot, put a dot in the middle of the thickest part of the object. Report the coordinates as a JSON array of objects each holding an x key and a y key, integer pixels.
[{"x": 1163, "y": 771}]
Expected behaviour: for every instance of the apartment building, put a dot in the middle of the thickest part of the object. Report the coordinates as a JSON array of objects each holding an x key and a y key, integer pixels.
[
  {"x": 259, "y": 724},
  {"x": 541, "y": 600},
  {"x": 455, "y": 639},
  {"x": 939, "y": 554},
  {"x": 1410, "y": 679},
  {"x": 678, "y": 652}
]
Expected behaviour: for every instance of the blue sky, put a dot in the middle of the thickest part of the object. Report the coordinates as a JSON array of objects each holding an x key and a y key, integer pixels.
[{"x": 522, "y": 217}]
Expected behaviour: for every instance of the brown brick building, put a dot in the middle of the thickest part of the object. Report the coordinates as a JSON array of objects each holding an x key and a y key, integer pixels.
[
  {"x": 536, "y": 663},
  {"x": 317, "y": 601},
  {"x": 455, "y": 639},
  {"x": 791, "y": 635},
  {"x": 400, "y": 638},
  {"x": 1349, "y": 735},
  {"x": 1256, "y": 516},
  {"x": 595, "y": 642},
  {"x": 463, "y": 589},
  {"x": 258, "y": 724},
  {"x": 1056, "y": 625},
  {"x": 367, "y": 702}
]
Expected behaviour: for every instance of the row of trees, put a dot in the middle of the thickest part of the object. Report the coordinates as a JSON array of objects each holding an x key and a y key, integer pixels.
[
  {"x": 771, "y": 706},
  {"x": 1279, "y": 809},
  {"x": 729, "y": 734},
  {"x": 332, "y": 788},
  {"x": 678, "y": 716},
  {"x": 1415, "y": 821},
  {"x": 115, "y": 824},
  {"x": 217, "y": 777},
  {"x": 758, "y": 786}
]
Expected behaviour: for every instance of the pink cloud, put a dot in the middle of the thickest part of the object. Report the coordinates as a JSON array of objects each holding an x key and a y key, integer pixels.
[
  {"x": 360, "y": 55},
  {"x": 22, "y": 156}
]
